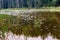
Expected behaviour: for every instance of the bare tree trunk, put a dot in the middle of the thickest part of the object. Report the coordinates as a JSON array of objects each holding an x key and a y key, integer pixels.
[
  {"x": 0, "y": 3},
  {"x": 28, "y": 3},
  {"x": 17, "y": 3},
  {"x": 39, "y": 2},
  {"x": 22, "y": 3},
  {"x": 34, "y": 3},
  {"x": 12, "y": 3},
  {"x": 9, "y": 4}
]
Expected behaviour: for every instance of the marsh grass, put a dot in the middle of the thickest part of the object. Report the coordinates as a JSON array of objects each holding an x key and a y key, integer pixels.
[{"x": 37, "y": 23}]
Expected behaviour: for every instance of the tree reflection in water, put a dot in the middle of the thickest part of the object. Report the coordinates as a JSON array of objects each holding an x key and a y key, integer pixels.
[{"x": 12, "y": 36}]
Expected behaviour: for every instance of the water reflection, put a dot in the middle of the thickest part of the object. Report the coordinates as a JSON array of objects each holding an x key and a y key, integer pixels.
[{"x": 10, "y": 36}]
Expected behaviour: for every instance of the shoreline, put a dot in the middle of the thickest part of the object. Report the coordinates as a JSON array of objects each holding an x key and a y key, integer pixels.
[{"x": 16, "y": 12}]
